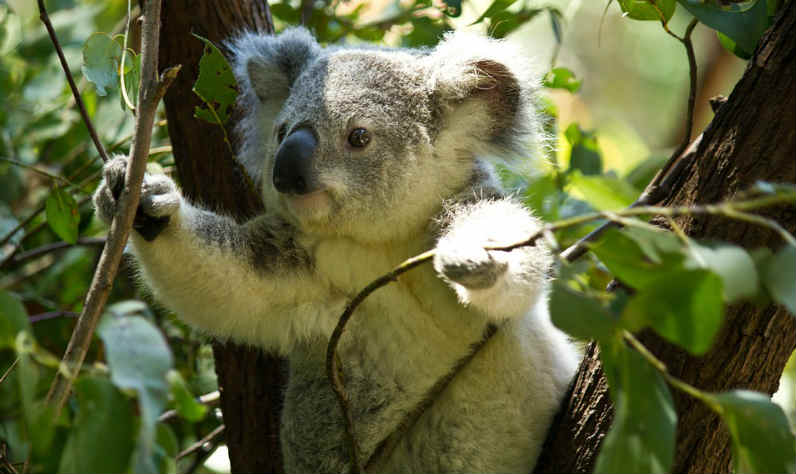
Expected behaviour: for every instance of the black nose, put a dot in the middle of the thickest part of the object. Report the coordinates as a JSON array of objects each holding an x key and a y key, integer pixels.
[{"x": 293, "y": 170}]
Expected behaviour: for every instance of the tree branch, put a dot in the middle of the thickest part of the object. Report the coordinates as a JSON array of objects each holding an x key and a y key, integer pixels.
[
  {"x": 151, "y": 91},
  {"x": 75, "y": 92}
]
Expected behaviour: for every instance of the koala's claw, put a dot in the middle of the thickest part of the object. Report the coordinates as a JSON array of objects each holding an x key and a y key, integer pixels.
[
  {"x": 473, "y": 268},
  {"x": 159, "y": 198}
]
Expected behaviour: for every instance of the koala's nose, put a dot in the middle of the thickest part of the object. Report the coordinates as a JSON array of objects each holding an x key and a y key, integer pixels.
[{"x": 293, "y": 171}]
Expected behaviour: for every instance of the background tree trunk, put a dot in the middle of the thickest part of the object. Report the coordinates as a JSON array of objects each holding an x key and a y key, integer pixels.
[
  {"x": 250, "y": 381},
  {"x": 751, "y": 138}
]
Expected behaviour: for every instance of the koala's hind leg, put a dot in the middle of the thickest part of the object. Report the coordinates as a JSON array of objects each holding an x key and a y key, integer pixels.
[{"x": 500, "y": 284}]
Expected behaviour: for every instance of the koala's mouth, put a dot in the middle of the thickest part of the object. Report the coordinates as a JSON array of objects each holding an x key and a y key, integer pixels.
[{"x": 312, "y": 206}]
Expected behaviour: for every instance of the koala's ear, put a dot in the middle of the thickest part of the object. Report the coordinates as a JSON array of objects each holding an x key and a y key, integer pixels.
[
  {"x": 266, "y": 66},
  {"x": 486, "y": 90}
]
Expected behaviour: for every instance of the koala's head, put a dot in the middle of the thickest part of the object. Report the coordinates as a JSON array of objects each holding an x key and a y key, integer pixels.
[{"x": 368, "y": 142}]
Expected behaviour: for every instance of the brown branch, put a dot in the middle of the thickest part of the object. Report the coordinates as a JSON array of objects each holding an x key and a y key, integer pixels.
[
  {"x": 75, "y": 92},
  {"x": 198, "y": 446},
  {"x": 151, "y": 90},
  {"x": 49, "y": 248},
  {"x": 662, "y": 184}
]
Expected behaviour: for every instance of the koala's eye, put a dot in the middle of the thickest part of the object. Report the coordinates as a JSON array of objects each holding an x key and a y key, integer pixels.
[
  {"x": 280, "y": 134},
  {"x": 359, "y": 138}
]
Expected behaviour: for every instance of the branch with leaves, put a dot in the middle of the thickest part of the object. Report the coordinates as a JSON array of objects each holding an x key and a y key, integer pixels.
[{"x": 153, "y": 87}]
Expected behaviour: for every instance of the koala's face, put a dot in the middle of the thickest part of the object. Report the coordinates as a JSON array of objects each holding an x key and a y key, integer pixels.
[{"x": 365, "y": 142}]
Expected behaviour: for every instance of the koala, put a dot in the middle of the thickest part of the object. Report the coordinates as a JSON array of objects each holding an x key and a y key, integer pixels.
[{"x": 366, "y": 157}]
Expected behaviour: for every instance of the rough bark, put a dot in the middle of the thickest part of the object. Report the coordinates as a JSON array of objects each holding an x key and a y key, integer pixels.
[
  {"x": 751, "y": 138},
  {"x": 250, "y": 381}
]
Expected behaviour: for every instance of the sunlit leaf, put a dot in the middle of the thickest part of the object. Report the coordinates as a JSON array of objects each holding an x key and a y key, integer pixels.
[
  {"x": 733, "y": 264},
  {"x": 762, "y": 441},
  {"x": 186, "y": 404},
  {"x": 63, "y": 216},
  {"x": 604, "y": 192},
  {"x": 562, "y": 78},
  {"x": 648, "y": 9}
]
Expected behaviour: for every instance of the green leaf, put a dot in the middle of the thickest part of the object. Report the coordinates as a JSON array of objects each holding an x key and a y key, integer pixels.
[
  {"x": 637, "y": 256},
  {"x": 139, "y": 359},
  {"x": 13, "y": 319},
  {"x": 761, "y": 438},
  {"x": 102, "y": 435},
  {"x": 683, "y": 306},
  {"x": 743, "y": 23},
  {"x": 562, "y": 78},
  {"x": 733, "y": 264},
  {"x": 579, "y": 315},
  {"x": 585, "y": 153},
  {"x": 555, "y": 24},
  {"x": 166, "y": 448},
  {"x": 215, "y": 85},
  {"x": 642, "y": 436},
  {"x": 496, "y": 7},
  {"x": 185, "y": 403},
  {"x": 648, "y": 9},
  {"x": 63, "y": 216},
  {"x": 779, "y": 277},
  {"x": 604, "y": 192},
  {"x": 101, "y": 56},
  {"x": 732, "y": 46}
]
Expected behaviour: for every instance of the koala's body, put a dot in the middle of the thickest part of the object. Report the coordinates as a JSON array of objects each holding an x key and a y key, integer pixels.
[{"x": 366, "y": 157}]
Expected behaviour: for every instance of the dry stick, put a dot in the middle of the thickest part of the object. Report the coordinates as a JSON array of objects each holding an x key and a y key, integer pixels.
[
  {"x": 76, "y": 93},
  {"x": 150, "y": 92},
  {"x": 660, "y": 186}
]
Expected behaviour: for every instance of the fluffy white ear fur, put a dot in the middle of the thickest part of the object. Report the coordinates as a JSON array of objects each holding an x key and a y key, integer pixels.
[
  {"x": 265, "y": 68},
  {"x": 496, "y": 74}
]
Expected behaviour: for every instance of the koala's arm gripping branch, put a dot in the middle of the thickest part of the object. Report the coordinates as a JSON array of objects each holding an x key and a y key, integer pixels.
[{"x": 151, "y": 91}]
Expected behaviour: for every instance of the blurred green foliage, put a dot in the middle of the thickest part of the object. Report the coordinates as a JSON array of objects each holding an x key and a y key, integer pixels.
[{"x": 144, "y": 361}]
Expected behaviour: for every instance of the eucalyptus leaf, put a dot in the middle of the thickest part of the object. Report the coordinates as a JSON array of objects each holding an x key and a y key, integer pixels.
[
  {"x": 13, "y": 319},
  {"x": 683, "y": 306},
  {"x": 779, "y": 277},
  {"x": 642, "y": 435},
  {"x": 743, "y": 23},
  {"x": 733, "y": 264},
  {"x": 579, "y": 315},
  {"x": 215, "y": 85},
  {"x": 139, "y": 359},
  {"x": 603, "y": 192},
  {"x": 186, "y": 404},
  {"x": 562, "y": 78},
  {"x": 103, "y": 433},
  {"x": 101, "y": 56},
  {"x": 646, "y": 10},
  {"x": 63, "y": 216},
  {"x": 762, "y": 441}
]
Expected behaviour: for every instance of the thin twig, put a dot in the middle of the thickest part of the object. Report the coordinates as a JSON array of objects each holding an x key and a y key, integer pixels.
[
  {"x": 52, "y": 315},
  {"x": 662, "y": 184},
  {"x": 150, "y": 92},
  {"x": 199, "y": 444},
  {"x": 75, "y": 92},
  {"x": 8, "y": 370},
  {"x": 49, "y": 248},
  {"x": 37, "y": 170}
]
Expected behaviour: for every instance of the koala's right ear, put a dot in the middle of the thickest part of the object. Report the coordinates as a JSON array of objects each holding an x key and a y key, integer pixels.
[{"x": 268, "y": 65}]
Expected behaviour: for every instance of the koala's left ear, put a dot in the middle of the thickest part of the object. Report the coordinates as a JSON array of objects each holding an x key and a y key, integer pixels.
[{"x": 486, "y": 88}]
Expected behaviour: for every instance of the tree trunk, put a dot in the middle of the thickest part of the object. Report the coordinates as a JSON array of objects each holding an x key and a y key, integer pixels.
[
  {"x": 250, "y": 382},
  {"x": 751, "y": 138}
]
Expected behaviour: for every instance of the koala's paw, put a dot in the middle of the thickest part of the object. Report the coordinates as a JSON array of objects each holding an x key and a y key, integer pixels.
[
  {"x": 469, "y": 265},
  {"x": 159, "y": 198}
]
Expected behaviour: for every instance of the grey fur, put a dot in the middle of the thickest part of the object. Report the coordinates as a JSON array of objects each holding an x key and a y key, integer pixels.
[{"x": 281, "y": 280}]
